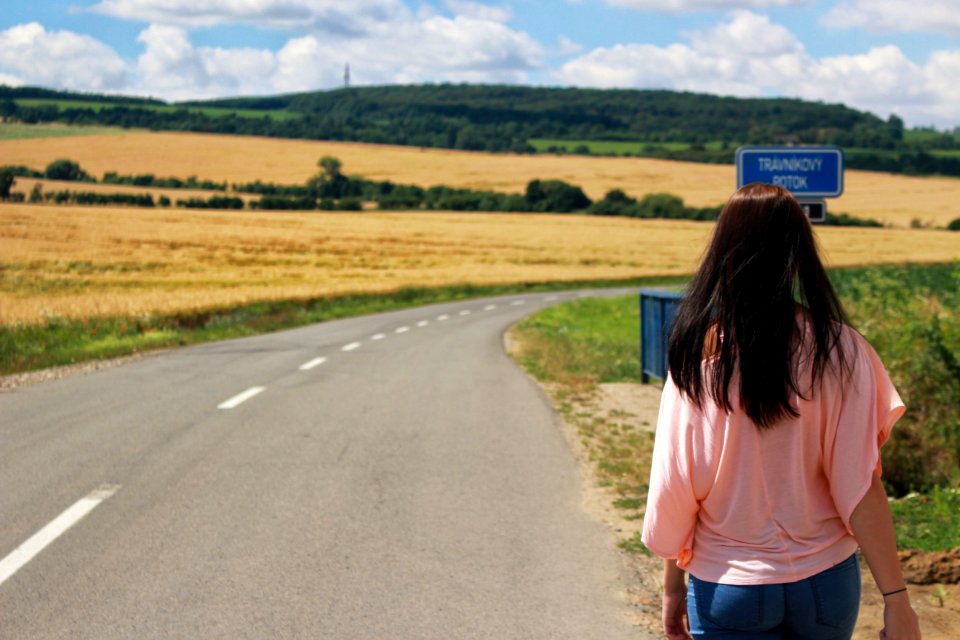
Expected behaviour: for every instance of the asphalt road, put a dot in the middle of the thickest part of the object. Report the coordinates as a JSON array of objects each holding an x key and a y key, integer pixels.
[{"x": 396, "y": 476}]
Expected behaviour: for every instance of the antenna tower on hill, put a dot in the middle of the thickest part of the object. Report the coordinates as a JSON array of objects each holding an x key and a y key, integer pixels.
[{"x": 346, "y": 76}]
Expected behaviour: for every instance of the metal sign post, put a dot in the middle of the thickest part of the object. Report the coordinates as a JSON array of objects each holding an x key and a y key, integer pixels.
[{"x": 816, "y": 210}]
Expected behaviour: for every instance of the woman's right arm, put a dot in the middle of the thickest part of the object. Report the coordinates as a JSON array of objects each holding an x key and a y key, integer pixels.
[{"x": 872, "y": 525}]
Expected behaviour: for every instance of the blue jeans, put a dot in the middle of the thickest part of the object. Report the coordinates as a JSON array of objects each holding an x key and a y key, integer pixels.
[{"x": 821, "y": 607}]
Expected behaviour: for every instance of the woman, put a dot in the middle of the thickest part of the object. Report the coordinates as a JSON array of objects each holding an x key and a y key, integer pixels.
[{"x": 766, "y": 466}]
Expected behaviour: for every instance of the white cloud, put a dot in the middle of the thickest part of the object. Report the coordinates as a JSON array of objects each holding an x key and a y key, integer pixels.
[
  {"x": 500, "y": 13},
  {"x": 747, "y": 34},
  {"x": 434, "y": 49},
  {"x": 330, "y": 16},
  {"x": 10, "y": 81},
  {"x": 896, "y": 15},
  {"x": 29, "y": 54},
  {"x": 683, "y": 6},
  {"x": 749, "y": 56}
]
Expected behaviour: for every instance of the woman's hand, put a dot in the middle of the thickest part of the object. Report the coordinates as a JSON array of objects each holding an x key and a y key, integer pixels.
[
  {"x": 872, "y": 525},
  {"x": 900, "y": 621},
  {"x": 674, "y": 612},
  {"x": 675, "y": 615}
]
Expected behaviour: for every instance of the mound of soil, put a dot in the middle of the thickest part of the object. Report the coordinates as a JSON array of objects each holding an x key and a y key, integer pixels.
[{"x": 921, "y": 567}]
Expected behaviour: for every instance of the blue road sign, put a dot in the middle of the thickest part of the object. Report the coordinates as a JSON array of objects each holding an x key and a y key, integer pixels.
[{"x": 810, "y": 172}]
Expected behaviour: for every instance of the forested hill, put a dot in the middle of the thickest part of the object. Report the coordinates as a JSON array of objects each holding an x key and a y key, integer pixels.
[
  {"x": 495, "y": 117},
  {"x": 668, "y": 124}
]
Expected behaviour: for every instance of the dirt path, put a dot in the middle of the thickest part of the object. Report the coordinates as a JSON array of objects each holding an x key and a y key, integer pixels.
[{"x": 937, "y": 605}]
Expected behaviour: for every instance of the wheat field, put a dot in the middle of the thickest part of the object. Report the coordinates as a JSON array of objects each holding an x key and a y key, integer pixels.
[
  {"x": 892, "y": 199},
  {"x": 81, "y": 262}
]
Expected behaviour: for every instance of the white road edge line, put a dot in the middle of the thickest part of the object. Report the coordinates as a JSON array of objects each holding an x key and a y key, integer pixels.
[
  {"x": 313, "y": 363},
  {"x": 240, "y": 398},
  {"x": 378, "y": 336},
  {"x": 351, "y": 346},
  {"x": 39, "y": 541}
]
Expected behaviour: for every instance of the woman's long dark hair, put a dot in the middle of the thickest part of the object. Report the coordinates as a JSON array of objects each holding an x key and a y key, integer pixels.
[{"x": 740, "y": 311}]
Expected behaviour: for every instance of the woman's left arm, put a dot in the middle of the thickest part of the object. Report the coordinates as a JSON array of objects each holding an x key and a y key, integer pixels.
[{"x": 674, "y": 610}]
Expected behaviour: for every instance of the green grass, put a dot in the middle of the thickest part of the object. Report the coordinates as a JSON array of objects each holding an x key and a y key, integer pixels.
[
  {"x": 928, "y": 522},
  {"x": 17, "y": 131},
  {"x": 59, "y": 341},
  {"x": 593, "y": 340},
  {"x": 603, "y": 147},
  {"x": 212, "y": 112},
  {"x": 919, "y": 136}
]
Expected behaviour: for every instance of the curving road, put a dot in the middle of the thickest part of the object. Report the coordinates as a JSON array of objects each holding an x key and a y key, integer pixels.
[{"x": 389, "y": 476}]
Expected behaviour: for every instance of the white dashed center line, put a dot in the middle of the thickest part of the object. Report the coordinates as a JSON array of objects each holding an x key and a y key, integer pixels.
[
  {"x": 403, "y": 329},
  {"x": 443, "y": 317},
  {"x": 518, "y": 302},
  {"x": 379, "y": 336},
  {"x": 39, "y": 541},
  {"x": 465, "y": 312},
  {"x": 552, "y": 299},
  {"x": 351, "y": 346},
  {"x": 422, "y": 323},
  {"x": 490, "y": 307},
  {"x": 313, "y": 363},
  {"x": 240, "y": 398}
]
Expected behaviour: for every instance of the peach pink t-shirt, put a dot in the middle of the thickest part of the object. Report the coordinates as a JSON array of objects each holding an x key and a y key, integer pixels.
[{"x": 737, "y": 505}]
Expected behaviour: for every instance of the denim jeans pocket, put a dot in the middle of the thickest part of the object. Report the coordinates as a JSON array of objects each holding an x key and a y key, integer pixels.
[
  {"x": 729, "y": 606},
  {"x": 836, "y": 593}
]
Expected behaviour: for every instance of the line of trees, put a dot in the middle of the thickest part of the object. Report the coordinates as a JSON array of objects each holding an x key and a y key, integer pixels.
[
  {"x": 331, "y": 190},
  {"x": 150, "y": 180},
  {"x": 89, "y": 198}
]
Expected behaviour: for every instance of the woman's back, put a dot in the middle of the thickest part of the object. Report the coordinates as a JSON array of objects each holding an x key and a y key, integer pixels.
[{"x": 772, "y": 505}]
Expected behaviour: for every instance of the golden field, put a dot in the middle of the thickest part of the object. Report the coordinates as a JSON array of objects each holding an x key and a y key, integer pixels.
[
  {"x": 894, "y": 200},
  {"x": 88, "y": 261}
]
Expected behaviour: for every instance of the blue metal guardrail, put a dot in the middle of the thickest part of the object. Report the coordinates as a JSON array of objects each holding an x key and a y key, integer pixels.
[{"x": 657, "y": 309}]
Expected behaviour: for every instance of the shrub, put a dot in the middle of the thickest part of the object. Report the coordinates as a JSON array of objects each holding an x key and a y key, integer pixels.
[
  {"x": 7, "y": 180},
  {"x": 213, "y": 202},
  {"x": 954, "y": 225},
  {"x": 281, "y": 203},
  {"x": 66, "y": 170},
  {"x": 615, "y": 203},
  {"x": 555, "y": 196},
  {"x": 908, "y": 313},
  {"x": 661, "y": 205}
]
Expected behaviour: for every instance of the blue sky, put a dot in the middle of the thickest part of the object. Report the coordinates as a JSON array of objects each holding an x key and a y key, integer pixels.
[{"x": 885, "y": 56}]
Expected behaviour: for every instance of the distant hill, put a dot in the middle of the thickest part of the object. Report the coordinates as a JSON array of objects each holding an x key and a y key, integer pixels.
[
  {"x": 497, "y": 117},
  {"x": 677, "y": 125}
]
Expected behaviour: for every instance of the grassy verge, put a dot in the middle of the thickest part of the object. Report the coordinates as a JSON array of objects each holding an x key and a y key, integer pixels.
[
  {"x": 60, "y": 341},
  {"x": 928, "y": 522},
  {"x": 911, "y": 315},
  {"x": 575, "y": 346}
]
